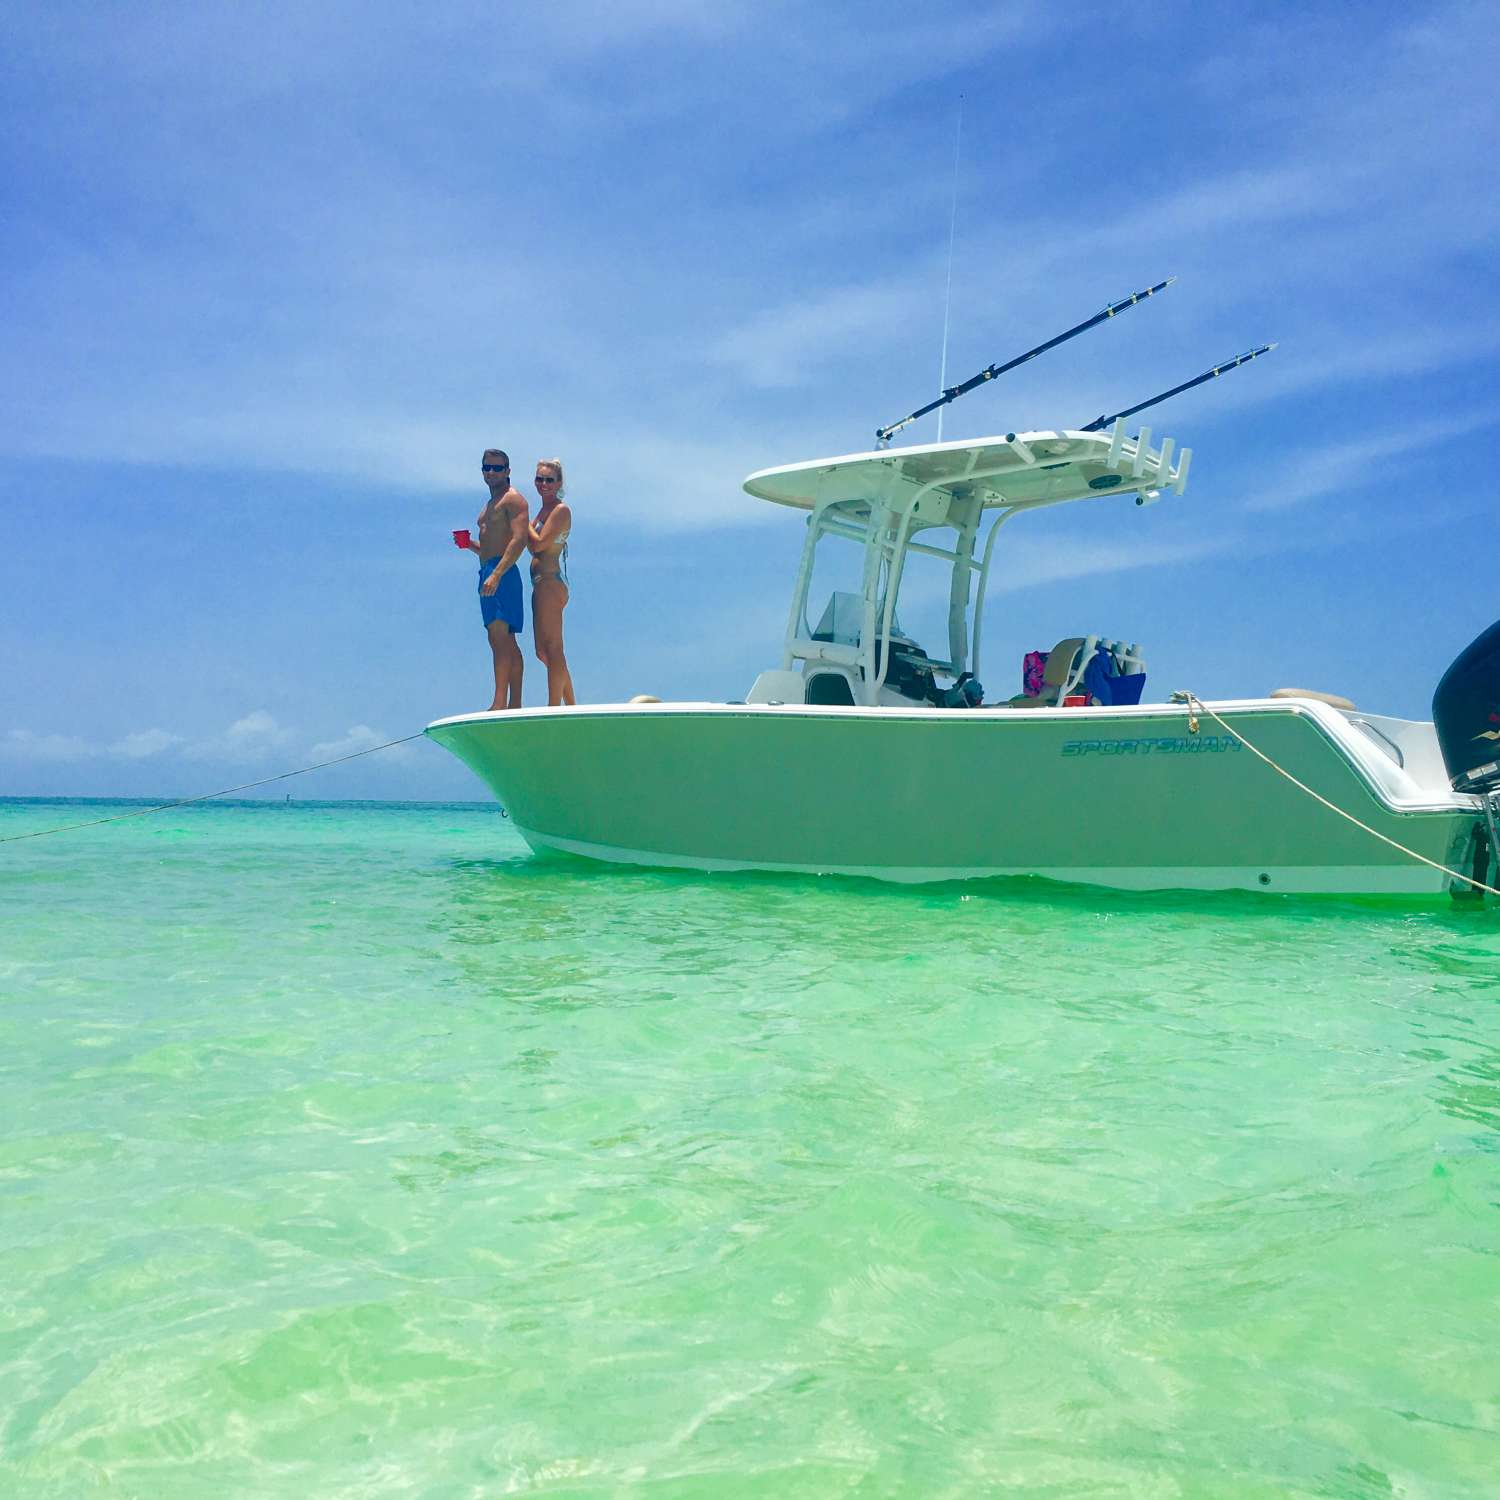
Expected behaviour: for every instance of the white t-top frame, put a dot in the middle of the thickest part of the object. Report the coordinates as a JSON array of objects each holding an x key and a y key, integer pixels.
[{"x": 882, "y": 501}]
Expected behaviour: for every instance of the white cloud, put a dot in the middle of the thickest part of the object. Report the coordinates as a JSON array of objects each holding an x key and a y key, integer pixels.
[
  {"x": 257, "y": 728},
  {"x": 360, "y": 737},
  {"x": 255, "y": 739},
  {"x": 145, "y": 743},
  {"x": 25, "y": 744},
  {"x": 248, "y": 741}
]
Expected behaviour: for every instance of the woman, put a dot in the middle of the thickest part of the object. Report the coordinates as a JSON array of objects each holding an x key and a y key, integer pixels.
[{"x": 547, "y": 536}]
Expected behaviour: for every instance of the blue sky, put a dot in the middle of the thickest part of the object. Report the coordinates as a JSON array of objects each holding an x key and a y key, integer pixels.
[{"x": 272, "y": 275}]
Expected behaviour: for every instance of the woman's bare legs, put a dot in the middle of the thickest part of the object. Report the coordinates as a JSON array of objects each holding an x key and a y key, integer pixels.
[{"x": 549, "y": 597}]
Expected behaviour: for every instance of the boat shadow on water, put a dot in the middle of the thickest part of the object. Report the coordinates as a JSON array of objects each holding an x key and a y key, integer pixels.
[{"x": 573, "y": 879}]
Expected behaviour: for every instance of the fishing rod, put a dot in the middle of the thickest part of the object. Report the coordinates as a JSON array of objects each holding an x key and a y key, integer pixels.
[
  {"x": 1100, "y": 423},
  {"x": 884, "y": 434}
]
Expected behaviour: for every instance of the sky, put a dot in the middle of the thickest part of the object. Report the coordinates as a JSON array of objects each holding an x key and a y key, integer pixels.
[{"x": 273, "y": 275}]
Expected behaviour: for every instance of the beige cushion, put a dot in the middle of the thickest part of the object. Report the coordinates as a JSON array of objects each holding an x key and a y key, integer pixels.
[
  {"x": 1059, "y": 665},
  {"x": 1060, "y": 661},
  {"x": 1330, "y": 698}
]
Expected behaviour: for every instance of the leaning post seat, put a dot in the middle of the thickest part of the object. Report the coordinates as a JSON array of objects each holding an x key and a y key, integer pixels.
[
  {"x": 1064, "y": 664},
  {"x": 1069, "y": 660}
]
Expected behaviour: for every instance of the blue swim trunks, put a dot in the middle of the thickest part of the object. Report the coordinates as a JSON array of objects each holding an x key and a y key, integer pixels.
[{"x": 505, "y": 603}]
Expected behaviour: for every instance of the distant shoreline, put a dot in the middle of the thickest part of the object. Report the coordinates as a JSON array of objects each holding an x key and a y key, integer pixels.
[{"x": 256, "y": 802}]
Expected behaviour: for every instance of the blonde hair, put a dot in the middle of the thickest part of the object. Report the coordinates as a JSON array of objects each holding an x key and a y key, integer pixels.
[{"x": 553, "y": 463}]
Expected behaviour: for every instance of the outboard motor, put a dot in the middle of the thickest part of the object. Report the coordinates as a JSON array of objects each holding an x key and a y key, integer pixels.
[{"x": 1466, "y": 713}]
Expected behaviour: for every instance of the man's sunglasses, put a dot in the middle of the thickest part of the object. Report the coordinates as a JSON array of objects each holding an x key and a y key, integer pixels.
[{"x": 494, "y": 468}]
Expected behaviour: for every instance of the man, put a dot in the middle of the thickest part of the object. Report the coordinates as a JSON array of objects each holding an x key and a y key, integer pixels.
[{"x": 502, "y": 539}]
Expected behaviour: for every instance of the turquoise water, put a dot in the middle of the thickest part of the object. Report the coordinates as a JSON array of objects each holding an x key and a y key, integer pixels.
[{"x": 349, "y": 1151}]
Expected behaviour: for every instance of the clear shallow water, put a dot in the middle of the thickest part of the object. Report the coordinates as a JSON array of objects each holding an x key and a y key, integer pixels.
[{"x": 349, "y": 1151}]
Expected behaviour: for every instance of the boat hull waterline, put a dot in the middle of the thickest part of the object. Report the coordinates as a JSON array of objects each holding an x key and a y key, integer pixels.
[{"x": 1131, "y": 798}]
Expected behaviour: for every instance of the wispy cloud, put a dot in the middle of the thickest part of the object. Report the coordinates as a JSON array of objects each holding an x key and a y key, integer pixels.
[
  {"x": 357, "y": 314},
  {"x": 1027, "y": 564},
  {"x": 792, "y": 344},
  {"x": 1375, "y": 459}
]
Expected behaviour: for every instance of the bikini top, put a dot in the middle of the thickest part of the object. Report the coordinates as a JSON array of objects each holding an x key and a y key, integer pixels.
[{"x": 563, "y": 539}]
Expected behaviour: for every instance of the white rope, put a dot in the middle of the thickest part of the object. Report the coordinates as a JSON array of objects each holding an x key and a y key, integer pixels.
[
  {"x": 140, "y": 812},
  {"x": 1195, "y": 703}
]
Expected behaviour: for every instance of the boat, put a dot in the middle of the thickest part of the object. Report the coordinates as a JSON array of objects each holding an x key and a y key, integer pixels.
[{"x": 860, "y": 754}]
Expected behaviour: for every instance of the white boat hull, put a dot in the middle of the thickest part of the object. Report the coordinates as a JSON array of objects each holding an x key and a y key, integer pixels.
[{"x": 1132, "y": 798}]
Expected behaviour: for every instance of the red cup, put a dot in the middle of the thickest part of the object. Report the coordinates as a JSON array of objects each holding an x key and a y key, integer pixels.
[
  {"x": 461, "y": 539},
  {"x": 1076, "y": 700}
]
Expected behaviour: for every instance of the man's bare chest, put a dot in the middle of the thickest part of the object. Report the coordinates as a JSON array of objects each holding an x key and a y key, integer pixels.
[{"x": 494, "y": 517}]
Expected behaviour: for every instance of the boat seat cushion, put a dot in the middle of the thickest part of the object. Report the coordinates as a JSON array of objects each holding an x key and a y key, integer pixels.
[
  {"x": 1060, "y": 663},
  {"x": 1332, "y": 699}
]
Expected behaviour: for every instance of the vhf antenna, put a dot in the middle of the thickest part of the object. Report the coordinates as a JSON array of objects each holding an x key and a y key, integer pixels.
[
  {"x": 883, "y": 435},
  {"x": 1100, "y": 423}
]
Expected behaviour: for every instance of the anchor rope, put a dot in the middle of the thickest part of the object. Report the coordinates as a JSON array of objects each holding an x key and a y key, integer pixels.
[
  {"x": 140, "y": 812},
  {"x": 1196, "y": 705}
]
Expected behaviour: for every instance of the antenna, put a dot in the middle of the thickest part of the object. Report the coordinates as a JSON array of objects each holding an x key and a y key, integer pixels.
[
  {"x": 958, "y": 135},
  {"x": 1100, "y": 423},
  {"x": 884, "y": 434}
]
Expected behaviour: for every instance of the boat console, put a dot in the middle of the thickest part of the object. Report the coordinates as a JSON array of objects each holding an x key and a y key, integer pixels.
[{"x": 933, "y": 501}]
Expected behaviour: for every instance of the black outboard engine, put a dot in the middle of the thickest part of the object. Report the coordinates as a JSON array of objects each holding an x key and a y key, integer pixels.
[{"x": 1466, "y": 713}]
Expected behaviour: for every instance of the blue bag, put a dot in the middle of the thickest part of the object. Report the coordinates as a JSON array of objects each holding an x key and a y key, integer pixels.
[{"x": 1101, "y": 681}]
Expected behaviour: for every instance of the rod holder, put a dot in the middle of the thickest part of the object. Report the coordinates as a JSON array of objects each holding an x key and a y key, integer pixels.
[
  {"x": 1116, "y": 444},
  {"x": 1180, "y": 483},
  {"x": 1142, "y": 448}
]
